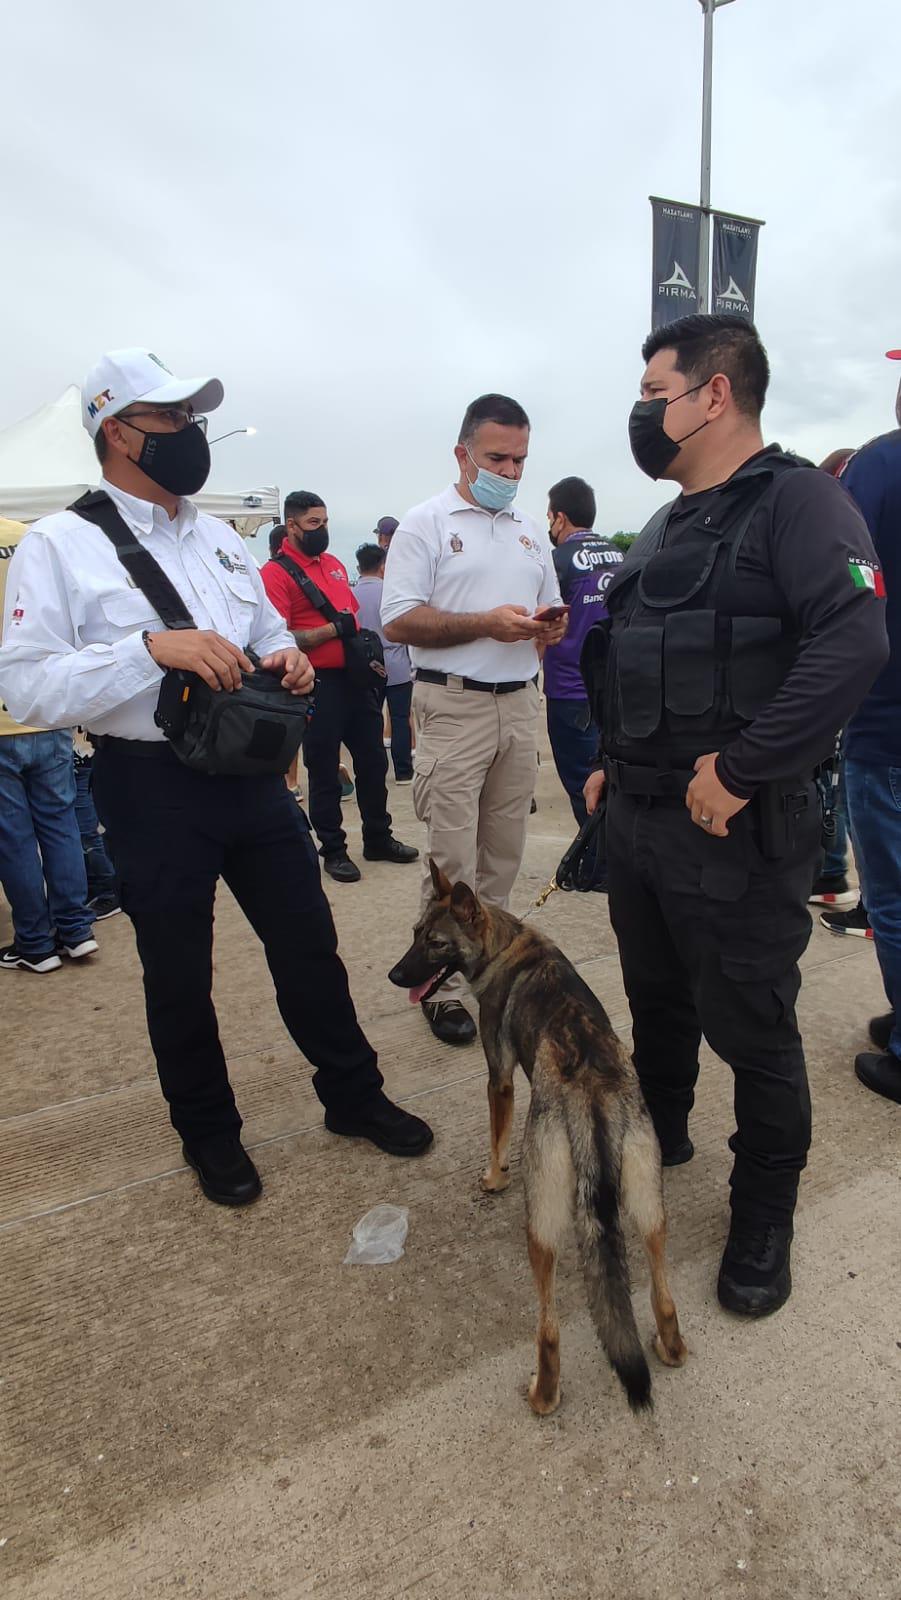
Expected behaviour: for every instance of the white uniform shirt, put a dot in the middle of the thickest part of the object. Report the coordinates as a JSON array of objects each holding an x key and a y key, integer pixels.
[
  {"x": 455, "y": 556},
  {"x": 72, "y": 650}
]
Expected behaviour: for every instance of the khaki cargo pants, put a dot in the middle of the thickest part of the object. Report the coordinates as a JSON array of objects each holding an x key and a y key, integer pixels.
[{"x": 473, "y": 780}]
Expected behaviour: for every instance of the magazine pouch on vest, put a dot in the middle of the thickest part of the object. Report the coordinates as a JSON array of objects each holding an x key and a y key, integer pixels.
[
  {"x": 364, "y": 655},
  {"x": 252, "y": 730}
]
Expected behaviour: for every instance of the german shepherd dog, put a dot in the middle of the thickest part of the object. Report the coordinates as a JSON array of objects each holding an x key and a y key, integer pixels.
[{"x": 589, "y": 1147}]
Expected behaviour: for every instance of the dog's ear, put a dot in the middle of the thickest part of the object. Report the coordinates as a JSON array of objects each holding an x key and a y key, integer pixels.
[
  {"x": 464, "y": 904},
  {"x": 440, "y": 883}
]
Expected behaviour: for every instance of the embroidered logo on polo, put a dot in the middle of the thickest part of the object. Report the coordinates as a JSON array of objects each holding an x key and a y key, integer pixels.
[
  {"x": 864, "y": 575},
  {"x": 229, "y": 562}
]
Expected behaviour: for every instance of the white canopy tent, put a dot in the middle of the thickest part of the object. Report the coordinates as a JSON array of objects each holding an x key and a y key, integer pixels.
[{"x": 47, "y": 461}]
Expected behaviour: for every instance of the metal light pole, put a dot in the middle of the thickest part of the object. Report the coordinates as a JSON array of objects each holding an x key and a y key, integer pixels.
[
  {"x": 708, "y": 7},
  {"x": 232, "y": 434}
]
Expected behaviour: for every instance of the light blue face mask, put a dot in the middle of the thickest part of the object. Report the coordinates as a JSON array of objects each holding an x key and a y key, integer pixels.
[{"x": 490, "y": 490}]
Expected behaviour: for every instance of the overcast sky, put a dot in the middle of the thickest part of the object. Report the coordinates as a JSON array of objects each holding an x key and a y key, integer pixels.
[{"x": 360, "y": 215}]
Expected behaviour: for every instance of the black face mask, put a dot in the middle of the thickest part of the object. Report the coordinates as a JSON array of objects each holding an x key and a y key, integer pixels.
[
  {"x": 652, "y": 448},
  {"x": 178, "y": 462},
  {"x": 314, "y": 541}
]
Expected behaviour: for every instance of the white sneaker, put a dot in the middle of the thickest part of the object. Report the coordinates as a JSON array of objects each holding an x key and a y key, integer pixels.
[{"x": 76, "y": 951}]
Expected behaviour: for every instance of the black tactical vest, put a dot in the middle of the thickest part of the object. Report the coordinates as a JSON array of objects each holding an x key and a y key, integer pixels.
[{"x": 678, "y": 669}]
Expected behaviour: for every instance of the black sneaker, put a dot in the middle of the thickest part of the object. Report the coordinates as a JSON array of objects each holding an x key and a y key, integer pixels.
[
  {"x": 880, "y": 1030},
  {"x": 856, "y": 922},
  {"x": 833, "y": 892},
  {"x": 103, "y": 906},
  {"x": 227, "y": 1174},
  {"x": 44, "y": 961},
  {"x": 391, "y": 850},
  {"x": 755, "y": 1273},
  {"x": 342, "y": 869},
  {"x": 384, "y": 1124}
]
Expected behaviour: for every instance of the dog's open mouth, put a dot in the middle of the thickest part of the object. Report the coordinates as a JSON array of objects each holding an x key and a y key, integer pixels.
[{"x": 424, "y": 991}]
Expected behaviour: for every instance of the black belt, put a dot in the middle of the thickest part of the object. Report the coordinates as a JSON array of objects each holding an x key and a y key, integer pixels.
[
  {"x": 145, "y": 749},
  {"x": 425, "y": 675},
  {"x": 648, "y": 783}
]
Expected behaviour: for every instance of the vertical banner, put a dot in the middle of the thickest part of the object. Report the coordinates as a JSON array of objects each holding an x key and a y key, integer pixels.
[
  {"x": 734, "y": 265},
  {"x": 676, "y": 259}
]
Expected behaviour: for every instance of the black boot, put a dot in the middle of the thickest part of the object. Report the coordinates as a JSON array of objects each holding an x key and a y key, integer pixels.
[
  {"x": 391, "y": 849},
  {"x": 880, "y": 1030},
  {"x": 881, "y": 1073},
  {"x": 449, "y": 1021},
  {"x": 676, "y": 1155},
  {"x": 342, "y": 869},
  {"x": 755, "y": 1273},
  {"x": 672, "y": 1136},
  {"x": 384, "y": 1124},
  {"x": 227, "y": 1174}
]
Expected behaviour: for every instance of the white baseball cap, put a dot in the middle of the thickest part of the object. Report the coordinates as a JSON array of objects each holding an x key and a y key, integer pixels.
[{"x": 121, "y": 377}]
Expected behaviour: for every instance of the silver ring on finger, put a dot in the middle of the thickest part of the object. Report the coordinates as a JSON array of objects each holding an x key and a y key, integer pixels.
[{"x": 706, "y": 822}]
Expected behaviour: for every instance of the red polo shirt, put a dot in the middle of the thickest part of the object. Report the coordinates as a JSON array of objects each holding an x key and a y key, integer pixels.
[{"x": 330, "y": 576}]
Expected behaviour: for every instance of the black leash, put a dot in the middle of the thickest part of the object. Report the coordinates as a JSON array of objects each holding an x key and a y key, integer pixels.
[{"x": 580, "y": 866}]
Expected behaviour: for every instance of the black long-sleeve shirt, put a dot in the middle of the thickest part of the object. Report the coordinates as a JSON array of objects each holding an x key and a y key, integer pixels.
[{"x": 808, "y": 536}]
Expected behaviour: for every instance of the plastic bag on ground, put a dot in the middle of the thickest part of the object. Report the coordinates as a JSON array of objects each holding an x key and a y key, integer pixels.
[{"x": 379, "y": 1237}]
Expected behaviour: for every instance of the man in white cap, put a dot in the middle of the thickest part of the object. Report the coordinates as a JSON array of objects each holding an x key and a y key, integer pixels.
[{"x": 83, "y": 646}]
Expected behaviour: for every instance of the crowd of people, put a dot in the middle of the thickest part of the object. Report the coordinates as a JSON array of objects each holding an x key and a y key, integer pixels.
[{"x": 695, "y": 686}]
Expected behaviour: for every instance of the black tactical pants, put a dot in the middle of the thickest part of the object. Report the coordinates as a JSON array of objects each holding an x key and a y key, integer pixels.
[
  {"x": 710, "y": 933},
  {"x": 173, "y": 833},
  {"x": 344, "y": 714}
]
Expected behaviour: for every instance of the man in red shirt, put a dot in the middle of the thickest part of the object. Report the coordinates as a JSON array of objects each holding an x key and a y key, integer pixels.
[{"x": 344, "y": 714}]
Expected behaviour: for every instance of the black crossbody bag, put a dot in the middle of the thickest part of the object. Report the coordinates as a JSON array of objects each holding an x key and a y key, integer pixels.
[
  {"x": 252, "y": 730},
  {"x": 364, "y": 655}
]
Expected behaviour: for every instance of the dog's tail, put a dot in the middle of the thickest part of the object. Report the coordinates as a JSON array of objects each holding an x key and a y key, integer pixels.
[{"x": 603, "y": 1249}]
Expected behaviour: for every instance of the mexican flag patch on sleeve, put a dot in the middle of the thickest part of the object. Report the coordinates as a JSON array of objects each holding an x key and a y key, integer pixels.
[{"x": 865, "y": 576}]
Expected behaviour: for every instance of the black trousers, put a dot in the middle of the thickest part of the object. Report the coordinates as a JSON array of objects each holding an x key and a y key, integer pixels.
[
  {"x": 345, "y": 715},
  {"x": 709, "y": 935},
  {"x": 172, "y": 834}
]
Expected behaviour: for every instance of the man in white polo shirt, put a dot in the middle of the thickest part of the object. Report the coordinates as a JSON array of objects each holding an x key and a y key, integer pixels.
[{"x": 465, "y": 576}]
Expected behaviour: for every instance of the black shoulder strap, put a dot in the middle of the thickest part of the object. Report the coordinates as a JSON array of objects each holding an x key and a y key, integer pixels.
[
  {"x": 97, "y": 507},
  {"x": 310, "y": 589}
]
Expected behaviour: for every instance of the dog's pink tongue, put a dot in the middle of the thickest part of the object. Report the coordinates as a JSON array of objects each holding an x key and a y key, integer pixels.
[{"x": 421, "y": 988}]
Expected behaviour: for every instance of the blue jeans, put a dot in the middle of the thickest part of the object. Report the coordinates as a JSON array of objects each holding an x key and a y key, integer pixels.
[
  {"x": 399, "y": 697},
  {"x": 574, "y": 744},
  {"x": 100, "y": 870},
  {"x": 41, "y": 862},
  {"x": 874, "y": 813}
]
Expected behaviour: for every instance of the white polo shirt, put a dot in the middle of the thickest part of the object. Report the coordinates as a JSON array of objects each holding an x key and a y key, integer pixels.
[
  {"x": 72, "y": 650},
  {"x": 455, "y": 556}
]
